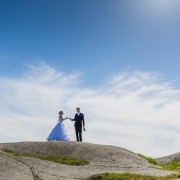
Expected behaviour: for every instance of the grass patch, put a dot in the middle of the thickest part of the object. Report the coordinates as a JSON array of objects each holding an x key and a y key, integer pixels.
[
  {"x": 57, "y": 159},
  {"x": 124, "y": 176},
  {"x": 173, "y": 166},
  {"x": 151, "y": 160}
]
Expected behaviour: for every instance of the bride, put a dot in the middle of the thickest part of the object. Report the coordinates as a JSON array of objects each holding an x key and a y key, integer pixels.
[{"x": 58, "y": 133}]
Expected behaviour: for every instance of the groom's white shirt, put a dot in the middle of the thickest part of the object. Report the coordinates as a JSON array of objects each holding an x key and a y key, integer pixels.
[{"x": 78, "y": 113}]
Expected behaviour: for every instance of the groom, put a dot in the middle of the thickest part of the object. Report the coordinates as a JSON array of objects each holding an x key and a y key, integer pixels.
[{"x": 79, "y": 121}]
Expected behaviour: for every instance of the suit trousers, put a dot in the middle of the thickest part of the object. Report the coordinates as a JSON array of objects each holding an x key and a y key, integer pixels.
[{"x": 78, "y": 130}]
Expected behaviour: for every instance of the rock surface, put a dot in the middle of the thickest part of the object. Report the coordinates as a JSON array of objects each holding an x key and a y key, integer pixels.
[
  {"x": 170, "y": 158},
  {"x": 102, "y": 159}
]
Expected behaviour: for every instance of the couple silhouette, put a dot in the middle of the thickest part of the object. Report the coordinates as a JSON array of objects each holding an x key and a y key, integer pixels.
[{"x": 59, "y": 132}]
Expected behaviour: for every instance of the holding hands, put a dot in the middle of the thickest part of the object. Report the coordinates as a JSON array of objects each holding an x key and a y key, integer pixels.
[{"x": 67, "y": 118}]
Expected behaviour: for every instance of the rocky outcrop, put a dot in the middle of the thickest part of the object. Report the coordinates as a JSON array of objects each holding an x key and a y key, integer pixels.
[
  {"x": 170, "y": 158},
  {"x": 102, "y": 158}
]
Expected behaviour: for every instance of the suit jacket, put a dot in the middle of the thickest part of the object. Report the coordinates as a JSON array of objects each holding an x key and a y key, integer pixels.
[{"x": 79, "y": 120}]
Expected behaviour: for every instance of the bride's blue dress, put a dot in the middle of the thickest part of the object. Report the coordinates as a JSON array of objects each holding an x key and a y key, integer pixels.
[{"x": 58, "y": 133}]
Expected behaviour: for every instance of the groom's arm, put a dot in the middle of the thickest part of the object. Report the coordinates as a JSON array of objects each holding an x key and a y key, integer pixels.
[
  {"x": 73, "y": 119},
  {"x": 83, "y": 119}
]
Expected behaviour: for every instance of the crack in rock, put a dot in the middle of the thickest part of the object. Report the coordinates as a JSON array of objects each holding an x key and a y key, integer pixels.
[{"x": 33, "y": 170}]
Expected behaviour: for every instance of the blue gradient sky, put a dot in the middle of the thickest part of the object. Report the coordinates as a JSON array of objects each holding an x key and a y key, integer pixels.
[{"x": 96, "y": 37}]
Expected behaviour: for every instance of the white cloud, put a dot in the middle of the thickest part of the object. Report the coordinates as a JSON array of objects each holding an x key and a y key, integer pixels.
[{"x": 133, "y": 110}]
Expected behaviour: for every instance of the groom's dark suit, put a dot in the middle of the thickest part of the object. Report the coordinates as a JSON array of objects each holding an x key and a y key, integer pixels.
[{"x": 79, "y": 120}]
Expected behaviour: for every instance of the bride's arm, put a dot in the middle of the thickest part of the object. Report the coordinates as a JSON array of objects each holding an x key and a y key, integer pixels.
[{"x": 64, "y": 118}]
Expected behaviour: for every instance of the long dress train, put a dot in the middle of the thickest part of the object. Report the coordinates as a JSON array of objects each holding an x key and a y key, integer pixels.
[{"x": 58, "y": 133}]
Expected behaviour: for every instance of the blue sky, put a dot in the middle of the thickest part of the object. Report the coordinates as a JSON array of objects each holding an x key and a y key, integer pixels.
[
  {"x": 116, "y": 59},
  {"x": 97, "y": 38}
]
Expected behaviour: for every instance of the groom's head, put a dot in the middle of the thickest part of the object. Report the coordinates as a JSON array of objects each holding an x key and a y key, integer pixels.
[{"x": 78, "y": 109}]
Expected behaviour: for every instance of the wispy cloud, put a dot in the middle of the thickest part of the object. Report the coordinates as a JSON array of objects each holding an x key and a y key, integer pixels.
[{"x": 134, "y": 110}]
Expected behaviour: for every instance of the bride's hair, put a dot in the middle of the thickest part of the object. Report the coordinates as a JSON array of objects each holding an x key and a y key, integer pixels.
[{"x": 60, "y": 112}]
